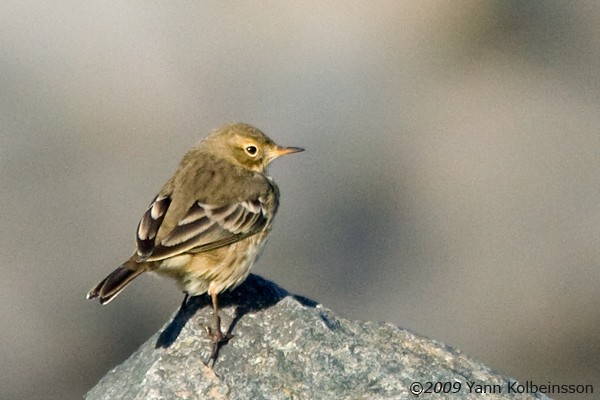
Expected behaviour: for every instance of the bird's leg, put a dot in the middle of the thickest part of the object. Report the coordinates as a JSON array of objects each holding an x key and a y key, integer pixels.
[
  {"x": 185, "y": 301},
  {"x": 216, "y": 333}
]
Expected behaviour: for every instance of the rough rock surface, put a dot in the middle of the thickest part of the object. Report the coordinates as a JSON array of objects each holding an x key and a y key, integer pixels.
[{"x": 289, "y": 347}]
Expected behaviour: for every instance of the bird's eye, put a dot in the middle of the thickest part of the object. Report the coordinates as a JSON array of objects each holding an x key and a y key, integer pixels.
[{"x": 251, "y": 150}]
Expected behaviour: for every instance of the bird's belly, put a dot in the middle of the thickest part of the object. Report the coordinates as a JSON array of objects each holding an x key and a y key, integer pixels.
[
  {"x": 175, "y": 264},
  {"x": 218, "y": 269}
]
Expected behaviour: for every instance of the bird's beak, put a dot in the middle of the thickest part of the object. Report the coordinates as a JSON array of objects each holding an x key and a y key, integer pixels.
[{"x": 281, "y": 151}]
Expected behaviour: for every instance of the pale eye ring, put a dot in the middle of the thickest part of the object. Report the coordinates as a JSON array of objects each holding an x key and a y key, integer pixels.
[{"x": 251, "y": 150}]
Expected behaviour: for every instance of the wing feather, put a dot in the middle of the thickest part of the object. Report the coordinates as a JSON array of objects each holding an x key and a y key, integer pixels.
[
  {"x": 150, "y": 223},
  {"x": 204, "y": 227}
]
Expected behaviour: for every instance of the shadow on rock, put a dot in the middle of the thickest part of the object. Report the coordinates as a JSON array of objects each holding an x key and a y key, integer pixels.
[{"x": 253, "y": 295}]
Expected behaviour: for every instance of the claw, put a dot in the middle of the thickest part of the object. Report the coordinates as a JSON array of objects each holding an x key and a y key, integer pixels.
[
  {"x": 216, "y": 334},
  {"x": 218, "y": 339}
]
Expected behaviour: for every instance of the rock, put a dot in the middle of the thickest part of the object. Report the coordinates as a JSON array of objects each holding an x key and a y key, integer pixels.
[{"x": 290, "y": 347}]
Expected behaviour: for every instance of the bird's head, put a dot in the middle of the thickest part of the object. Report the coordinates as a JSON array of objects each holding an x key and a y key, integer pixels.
[{"x": 246, "y": 146}]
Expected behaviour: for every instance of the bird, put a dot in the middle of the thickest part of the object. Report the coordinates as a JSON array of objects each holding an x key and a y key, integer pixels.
[{"x": 209, "y": 222}]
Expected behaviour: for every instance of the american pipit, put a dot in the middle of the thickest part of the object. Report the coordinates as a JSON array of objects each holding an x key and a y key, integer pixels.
[{"x": 209, "y": 222}]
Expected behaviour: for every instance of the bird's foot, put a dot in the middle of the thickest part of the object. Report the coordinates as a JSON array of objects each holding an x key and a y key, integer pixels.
[{"x": 219, "y": 339}]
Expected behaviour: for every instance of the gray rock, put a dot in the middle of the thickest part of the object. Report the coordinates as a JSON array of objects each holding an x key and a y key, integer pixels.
[{"x": 289, "y": 347}]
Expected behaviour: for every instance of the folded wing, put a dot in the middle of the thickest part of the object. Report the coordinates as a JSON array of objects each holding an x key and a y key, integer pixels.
[{"x": 204, "y": 227}]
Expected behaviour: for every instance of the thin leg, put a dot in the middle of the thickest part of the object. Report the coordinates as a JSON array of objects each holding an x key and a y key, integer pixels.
[
  {"x": 184, "y": 302},
  {"x": 216, "y": 333}
]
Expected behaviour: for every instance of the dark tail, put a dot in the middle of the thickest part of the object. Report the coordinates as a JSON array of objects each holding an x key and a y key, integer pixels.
[{"x": 116, "y": 281}]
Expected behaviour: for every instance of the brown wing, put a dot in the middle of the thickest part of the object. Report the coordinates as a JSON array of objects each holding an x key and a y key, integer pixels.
[
  {"x": 150, "y": 223},
  {"x": 204, "y": 227}
]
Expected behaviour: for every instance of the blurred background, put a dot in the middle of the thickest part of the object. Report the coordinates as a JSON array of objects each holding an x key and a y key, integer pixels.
[{"x": 451, "y": 183}]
